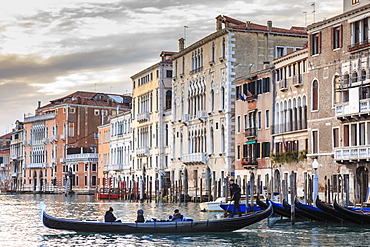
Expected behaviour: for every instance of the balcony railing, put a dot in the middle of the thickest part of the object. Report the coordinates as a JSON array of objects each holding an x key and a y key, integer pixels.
[
  {"x": 185, "y": 118},
  {"x": 143, "y": 116},
  {"x": 344, "y": 109},
  {"x": 249, "y": 163},
  {"x": 298, "y": 80},
  {"x": 39, "y": 118},
  {"x": 196, "y": 70},
  {"x": 352, "y": 153},
  {"x": 359, "y": 45},
  {"x": 117, "y": 167},
  {"x": 82, "y": 157},
  {"x": 283, "y": 85},
  {"x": 195, "y": 158},
  {"x": 36, "y": 165},
  {"x": 202, "y": 115},
  {"x": 142, "y": 151},
  {"x": 250, "y": 132}
]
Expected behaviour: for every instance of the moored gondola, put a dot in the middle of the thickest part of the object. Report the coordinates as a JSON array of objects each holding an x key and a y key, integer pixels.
[
  {"x": 278, "y": 208},
  {"x": 217, "y": 225},
  {"x": 300, "y": 213},
  {"x": 316, "y": 213},
  {"x": 357, "y": 215},
  {"x": 335, "y": 213}
]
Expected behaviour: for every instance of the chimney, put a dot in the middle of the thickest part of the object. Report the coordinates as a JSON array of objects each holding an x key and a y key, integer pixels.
[
  {"x": 266, "y": 65},
  {"x": 218, "y": 23},
  {"x": 248, "y": 24},
  {"x": 38, "y": 104},
  {"x": 181, "y": 44},
  {"x": 269, "y": 26}
]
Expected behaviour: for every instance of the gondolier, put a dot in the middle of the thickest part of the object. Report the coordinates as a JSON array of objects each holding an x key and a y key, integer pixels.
[{"x": 235, "y": 193}]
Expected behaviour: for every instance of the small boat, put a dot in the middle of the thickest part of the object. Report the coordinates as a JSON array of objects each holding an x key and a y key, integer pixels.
[
  {"x": 356, "y": 215},
  {"x": 299, "y": 213},
  {"x": 212, "y": 206},
  {"x": 335, "y": 213},
  {"x": 150, "y": 227},
  {"x": 106, "y": 196},
  {"x": 315, "y": 213}
]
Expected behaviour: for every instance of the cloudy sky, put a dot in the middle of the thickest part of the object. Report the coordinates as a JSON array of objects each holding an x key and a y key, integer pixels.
[{"x": 51, "y": 48}]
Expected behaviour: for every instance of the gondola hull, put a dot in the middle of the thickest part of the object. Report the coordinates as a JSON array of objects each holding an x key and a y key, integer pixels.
[
  {"x": 218, "y": 225},
  {"x": 316, "y": 213},
  {"x": 356, "y": 215},
  {"x": 332, "y": 211}
]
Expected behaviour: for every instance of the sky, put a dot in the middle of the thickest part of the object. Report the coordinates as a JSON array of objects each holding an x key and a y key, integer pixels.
[{"x": 52, "y": 48}]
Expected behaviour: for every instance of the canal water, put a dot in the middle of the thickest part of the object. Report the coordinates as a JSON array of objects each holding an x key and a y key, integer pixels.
[{"x": 20, "y": 225}]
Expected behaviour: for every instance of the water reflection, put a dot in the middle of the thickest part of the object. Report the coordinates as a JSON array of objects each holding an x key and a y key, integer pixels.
[{"x": 20, "y": 226}]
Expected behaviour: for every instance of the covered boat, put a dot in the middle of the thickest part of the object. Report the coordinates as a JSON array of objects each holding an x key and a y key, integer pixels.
[{"x": 217, "y": 225}]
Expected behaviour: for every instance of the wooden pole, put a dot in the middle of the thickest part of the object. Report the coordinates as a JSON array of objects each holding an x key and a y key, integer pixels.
[{"x": 292, "y": 199}]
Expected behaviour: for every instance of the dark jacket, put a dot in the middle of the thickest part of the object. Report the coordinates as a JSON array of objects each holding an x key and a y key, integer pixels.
[
  {"x": 140, "y": 219},
  {"x": 177, "y": 216},
  {"x": 109, "y": 217},
  {"x": 235, "y": 192}
]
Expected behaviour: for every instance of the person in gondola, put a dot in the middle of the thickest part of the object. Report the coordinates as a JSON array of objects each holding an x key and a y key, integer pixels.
[
  {"x": 235, "y": 193},
  {"x": 177, "y": 216},
  {"x": 109, "y": 216},
  {"x": 140, "y": 216}
]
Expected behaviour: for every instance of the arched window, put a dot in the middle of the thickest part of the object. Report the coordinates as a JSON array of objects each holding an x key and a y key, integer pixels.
[
  {"x": 222, "y": 99},
  {"x": 212, "y": 100},
  {"x": 168, "y": 99},
  {"x": 315, "y": 95},
  {"x": 212, "y": 150},
  {"x": 354, "y": 77},
  {"x": 222, "y": 148},
  {"x": 363, "y": 75},
  {"x": 213, "y": 52}
]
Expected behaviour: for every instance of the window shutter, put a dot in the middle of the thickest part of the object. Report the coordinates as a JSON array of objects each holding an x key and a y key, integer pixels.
[
  {"x": 341, "y": 36},
  {"x": 319, "y": 42}
]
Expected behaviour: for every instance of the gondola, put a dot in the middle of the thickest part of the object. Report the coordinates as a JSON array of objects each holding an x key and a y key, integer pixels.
[
  {"x": 277, "y": 207},
  {"x": 335, "y": 213},
  {"x": 315, "y": 213},
  {"x": 357, "y": 215},
  {"x": 151, "y": 227},
  {"x": 300, "y": 213}
]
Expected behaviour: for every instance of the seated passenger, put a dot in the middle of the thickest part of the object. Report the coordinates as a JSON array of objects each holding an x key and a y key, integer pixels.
[
  {"x": 140, "y": 216},
  {"x": 177, "y": 216},
  {"x": 109, "y": 216}
]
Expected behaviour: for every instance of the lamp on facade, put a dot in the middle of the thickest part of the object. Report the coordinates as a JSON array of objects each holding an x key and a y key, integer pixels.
[{"x": 315, "y": 165}]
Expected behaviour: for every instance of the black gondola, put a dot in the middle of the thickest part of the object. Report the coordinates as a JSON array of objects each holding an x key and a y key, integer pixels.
[
  {"x": 277, "y": 207},
  {"x": 316, "y": 213},
  {"x": 356, "y": 215},
  {"x": 218, "y": 225},
  {"x": 300, "y": 213},
  {"x": 335, "y": 213}
]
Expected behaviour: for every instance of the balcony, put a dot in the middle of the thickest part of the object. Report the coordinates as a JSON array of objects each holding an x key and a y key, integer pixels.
[
  {"x": 142, "y": 151},
  {"x": 53, "y": 139},
  {"x": 359, "y": 45},
  {"x": 143, "y": 116},
  {"x": 2, "y": 165},
  {"x": 202, "y": 115},
  {"x": 298, "y": 80},
  {"x": 195, "y": 158},
  {"x": 283, "y": 85},
  {"x": 249, "y": 163},
  {"x": 196, "y": 70},
  {"x": 105, "y": 168},
  {"x": 39, "y": 118},
  {"x": 45, "y": 141},
  {"x": 250, "y": 132},
  {"x": 117, "y": 167},
  {"x": 352, "y": 109},
  {"x": 63, "y": 137},
  {"x": 185, "y": 119},
  {"x": 82, "y": 157},
  {"x": 352, "y": 153},
  {"x": 36, "y": 165}
]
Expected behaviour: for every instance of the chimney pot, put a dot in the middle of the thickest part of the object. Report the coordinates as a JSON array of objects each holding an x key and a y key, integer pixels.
[
  {"x": 38, "y": 104},
  {"x": 269, "y": 26},
  {"x": 219, "y": 23},
  {"x": 181, "y": 44},
  {"x": 248, "y": 24}
]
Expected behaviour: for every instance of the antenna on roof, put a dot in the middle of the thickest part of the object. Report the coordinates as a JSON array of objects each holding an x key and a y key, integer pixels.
[
  {"x": 95, "y": 87},
  {"x": 314, "y": 11},
  {"x": 305, "y": 18}
]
